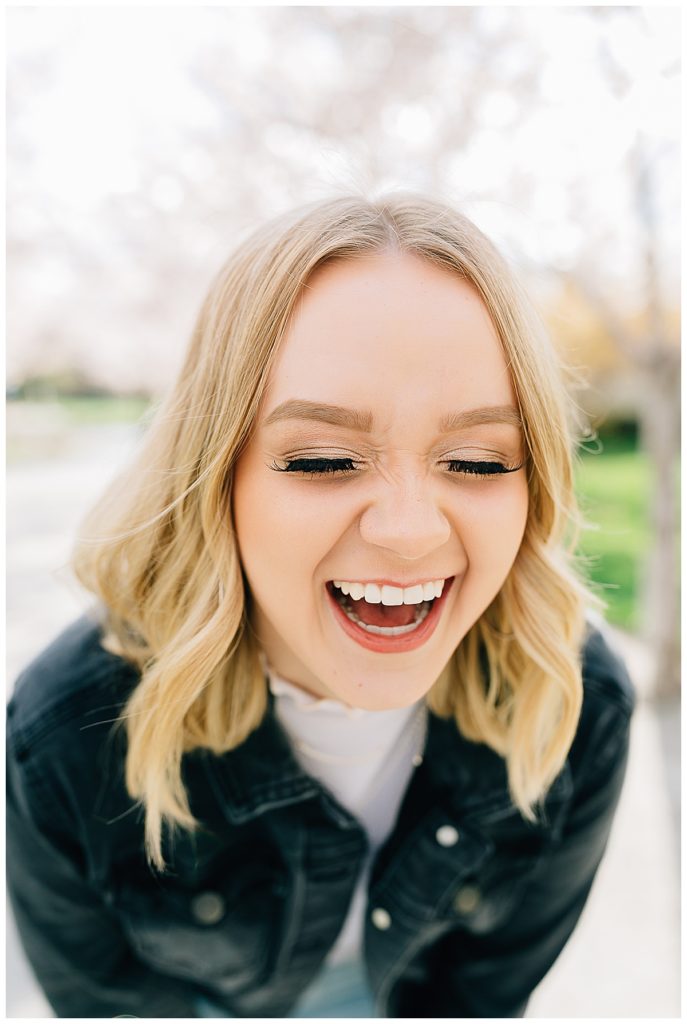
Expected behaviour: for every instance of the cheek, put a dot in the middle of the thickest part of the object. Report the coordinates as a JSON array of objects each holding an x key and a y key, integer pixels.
[
  {"x": 254, "y": 520},
  {"x": 493, "y": 525},
  {"x": 283, "y": 531}
]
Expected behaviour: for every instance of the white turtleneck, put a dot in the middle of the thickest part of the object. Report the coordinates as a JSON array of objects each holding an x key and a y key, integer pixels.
[{"x": 365, "y": 760}]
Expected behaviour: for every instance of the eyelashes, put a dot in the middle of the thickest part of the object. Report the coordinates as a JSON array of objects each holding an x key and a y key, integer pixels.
[
  {"x": 317, "y": 467},
  {"x": 325, "y": 467},
  {"x": 477, "y": 468}
]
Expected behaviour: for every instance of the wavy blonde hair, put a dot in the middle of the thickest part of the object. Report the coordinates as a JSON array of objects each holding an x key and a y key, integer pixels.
[{"x": 160, "y": 552}]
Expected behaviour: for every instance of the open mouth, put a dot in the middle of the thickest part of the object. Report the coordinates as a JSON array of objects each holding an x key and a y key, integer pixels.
[{"x": 382, "y": 617}]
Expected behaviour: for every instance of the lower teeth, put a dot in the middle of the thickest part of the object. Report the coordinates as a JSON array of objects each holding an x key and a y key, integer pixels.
[{"x": 420, "y": 616}]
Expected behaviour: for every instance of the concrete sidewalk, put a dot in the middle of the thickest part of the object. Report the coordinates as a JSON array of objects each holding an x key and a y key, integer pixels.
[{"x": 623, "y": 959}]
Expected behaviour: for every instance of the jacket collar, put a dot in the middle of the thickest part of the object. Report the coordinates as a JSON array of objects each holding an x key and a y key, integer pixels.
[
  {"x": 263, "y": 774},
  {"x": 259, "y": 775},
  {"x": 472, "y": 778}
]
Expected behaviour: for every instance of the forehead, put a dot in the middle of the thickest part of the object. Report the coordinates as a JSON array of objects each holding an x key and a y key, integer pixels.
[{"x": 386, "y": 329}]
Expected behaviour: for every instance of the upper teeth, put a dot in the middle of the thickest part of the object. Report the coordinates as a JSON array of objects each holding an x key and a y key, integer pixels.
[{"x": 374, "y": 594}]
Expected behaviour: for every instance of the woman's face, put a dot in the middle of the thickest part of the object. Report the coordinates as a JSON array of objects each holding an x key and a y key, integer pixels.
[{"x": 378, "y": 463}]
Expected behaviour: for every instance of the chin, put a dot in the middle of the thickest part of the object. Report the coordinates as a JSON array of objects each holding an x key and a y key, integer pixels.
[{"x": 381, "y": 695}]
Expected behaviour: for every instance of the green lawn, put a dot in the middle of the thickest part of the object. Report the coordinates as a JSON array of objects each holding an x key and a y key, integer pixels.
[
  {"x": 613, "y": 488},
  {"x": 86, "y": 411}
]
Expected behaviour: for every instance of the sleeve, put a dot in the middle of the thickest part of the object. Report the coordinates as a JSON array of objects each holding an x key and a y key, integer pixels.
[
  {"x": 493, "y": 975},
  {"x": 74, "y": 944}
]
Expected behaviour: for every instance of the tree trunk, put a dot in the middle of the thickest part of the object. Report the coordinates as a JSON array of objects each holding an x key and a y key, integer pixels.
[{"x": 660, "y": 432}]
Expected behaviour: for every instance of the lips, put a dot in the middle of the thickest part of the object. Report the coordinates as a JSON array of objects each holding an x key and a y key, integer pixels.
[{"x": 406, "y": 638}]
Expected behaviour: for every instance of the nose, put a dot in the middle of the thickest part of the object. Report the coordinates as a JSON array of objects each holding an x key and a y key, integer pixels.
[{"x": 406, "y": 520}]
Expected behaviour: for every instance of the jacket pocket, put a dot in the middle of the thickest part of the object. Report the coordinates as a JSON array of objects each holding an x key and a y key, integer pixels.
[
  {"x": 483, "y": 901},
  {"x": 518, "y": 852},
  {"x": 218, "y": 933}
]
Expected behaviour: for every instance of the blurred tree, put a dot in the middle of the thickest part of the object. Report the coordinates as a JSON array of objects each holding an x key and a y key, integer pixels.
[
  {"x": 655, "y": 354},
  {"x": 126, "y": 191}
]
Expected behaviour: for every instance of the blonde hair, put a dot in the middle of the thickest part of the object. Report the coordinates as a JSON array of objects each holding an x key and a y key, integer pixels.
[{"x": 160, "y": 552}]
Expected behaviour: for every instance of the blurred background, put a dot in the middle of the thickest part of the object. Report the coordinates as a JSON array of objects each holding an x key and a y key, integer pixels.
[{"x": 143, "y": 142}]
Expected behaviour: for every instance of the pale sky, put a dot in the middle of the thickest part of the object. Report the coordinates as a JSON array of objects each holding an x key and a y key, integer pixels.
[{"x": 105, "y": 103}]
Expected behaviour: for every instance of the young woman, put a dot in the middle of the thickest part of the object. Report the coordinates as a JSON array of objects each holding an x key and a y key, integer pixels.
[{"x": 366, "y": 746}]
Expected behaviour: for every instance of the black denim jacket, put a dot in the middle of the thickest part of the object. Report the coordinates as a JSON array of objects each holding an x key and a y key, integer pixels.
[{"x": 462, "y": 921}]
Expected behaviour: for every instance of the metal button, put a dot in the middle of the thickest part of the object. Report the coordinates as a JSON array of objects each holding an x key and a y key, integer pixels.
[
  {"x": 467, "y": 899},
  {"x": 381, "y": 918},
  {"x": 447, "y": 835},
  {"x": 417, "y": 760},
  {"x": 208, "y": 907}
]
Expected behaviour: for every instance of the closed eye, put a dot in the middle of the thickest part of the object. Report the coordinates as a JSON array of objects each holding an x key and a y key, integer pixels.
[
  {"x": 479, "y": 468},
  {"x": 316, "y": 467}
]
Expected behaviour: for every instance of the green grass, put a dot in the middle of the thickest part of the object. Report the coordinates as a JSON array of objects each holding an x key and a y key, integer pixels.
[
  {"x": 613, "y": 488},
  {"x": 86, "y": 411},
  {"x": 40, "y": 427}
]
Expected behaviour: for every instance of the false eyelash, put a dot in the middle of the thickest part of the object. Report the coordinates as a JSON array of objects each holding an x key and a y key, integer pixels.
[
  {"x": 316, "y": 467},
  {"x": 480, "y": 468}
]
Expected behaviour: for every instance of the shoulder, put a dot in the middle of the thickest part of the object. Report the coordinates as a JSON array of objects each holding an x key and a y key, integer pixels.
[
  {"x": 609, "y": 699},
  {"x": 65, "y": 756},
  {"x": 604, "y": 673},
  {"x": 66, "y": 687},
  {"x": 72, "y": 671}
]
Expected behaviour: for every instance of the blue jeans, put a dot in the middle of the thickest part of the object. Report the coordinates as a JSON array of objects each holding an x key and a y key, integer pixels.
[{"x": 340, "y": 991}]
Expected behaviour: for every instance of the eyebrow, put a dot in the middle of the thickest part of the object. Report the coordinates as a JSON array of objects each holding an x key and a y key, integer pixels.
[{"x": 362, "y": 420}]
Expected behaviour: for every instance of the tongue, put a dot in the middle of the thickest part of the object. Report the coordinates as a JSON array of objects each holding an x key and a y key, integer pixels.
[{"x": 382, "y": 614}]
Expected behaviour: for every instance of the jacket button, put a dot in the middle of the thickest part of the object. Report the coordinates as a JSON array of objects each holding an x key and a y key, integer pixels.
[
  {"x": 381, "y": 918},
  {"x": 447, "y": 835},
  {"x": 467, "y": 900},
  {"x": 208, "y": 907}
]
